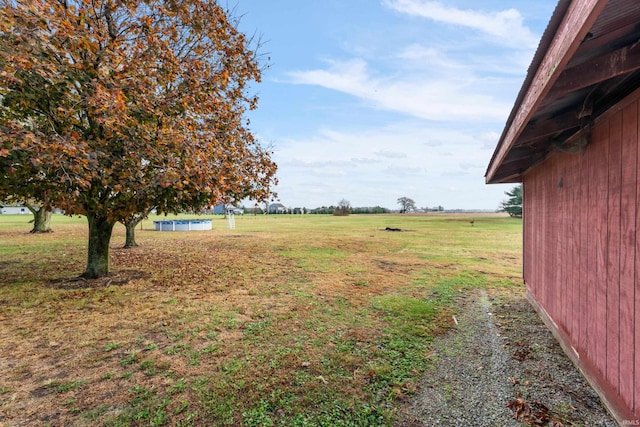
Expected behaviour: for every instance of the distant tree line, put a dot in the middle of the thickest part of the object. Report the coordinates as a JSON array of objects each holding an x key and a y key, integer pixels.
[
  {"x": 344, "y": 208},
  {"x": 329, "y": 210}
]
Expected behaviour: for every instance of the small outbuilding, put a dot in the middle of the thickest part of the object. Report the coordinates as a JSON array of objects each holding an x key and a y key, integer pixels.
[{"x": 572, "y": 139}]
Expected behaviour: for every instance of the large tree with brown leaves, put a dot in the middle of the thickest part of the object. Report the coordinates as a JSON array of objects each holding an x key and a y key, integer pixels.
[{"x": 115, "y": 106}]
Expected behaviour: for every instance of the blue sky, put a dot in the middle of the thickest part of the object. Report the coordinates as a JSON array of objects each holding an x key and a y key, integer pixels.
[{"x": 372, "y": 100}]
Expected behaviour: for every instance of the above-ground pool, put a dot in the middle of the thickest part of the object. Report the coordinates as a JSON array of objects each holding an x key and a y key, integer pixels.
[{"x": 182, "y": 224}]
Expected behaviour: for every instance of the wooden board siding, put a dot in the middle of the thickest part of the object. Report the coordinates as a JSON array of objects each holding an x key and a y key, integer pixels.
[
  {"x": 612, "y": 290},
  {"x": 599, "y": 342},
  {"x": 628, "y": 212},
  {"x": 582, "y": 252},
  {"x": 582, "y": 216}
]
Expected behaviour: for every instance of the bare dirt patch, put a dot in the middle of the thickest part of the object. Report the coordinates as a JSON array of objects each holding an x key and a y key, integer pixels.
[{"x": 501, "y": 366}]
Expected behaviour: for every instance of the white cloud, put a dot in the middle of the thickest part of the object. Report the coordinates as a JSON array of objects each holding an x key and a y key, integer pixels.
[
  {"x": 389, "y": 154},
  {"x": 449, "y": 79},
  {"x": 443, "y": 99},
  {"x": 399, "y": 170},
  {"x": 450, "y": 72},
  {"x": 489, "y": 139},
  {"x": 430, "y": 57},
  {"x": 365, "y": 161},
  {"x": 348, "y": 76},
  {"x": 329, "y": 165},
  {"x": 505, "y": 27}
]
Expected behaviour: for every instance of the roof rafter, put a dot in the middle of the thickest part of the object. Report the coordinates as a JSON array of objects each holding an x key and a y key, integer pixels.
[
  {"x": 596, "y": 70},
  {"x": 552, "y": 126}
]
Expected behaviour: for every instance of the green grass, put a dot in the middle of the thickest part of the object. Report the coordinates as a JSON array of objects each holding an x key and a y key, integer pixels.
[
  {"x": 287, "y": 320},
  {"x": 65, "y": 386}
]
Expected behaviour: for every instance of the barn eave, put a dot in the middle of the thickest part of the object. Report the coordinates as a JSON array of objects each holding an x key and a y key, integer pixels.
[{"x": 588, "y": 60}]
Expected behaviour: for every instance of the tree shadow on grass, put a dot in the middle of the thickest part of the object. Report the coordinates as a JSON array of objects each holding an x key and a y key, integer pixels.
[{"x": 116, "y": 278}]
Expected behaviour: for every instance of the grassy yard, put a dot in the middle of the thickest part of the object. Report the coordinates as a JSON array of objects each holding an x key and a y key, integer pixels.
[{"x": 285, "y": 320}]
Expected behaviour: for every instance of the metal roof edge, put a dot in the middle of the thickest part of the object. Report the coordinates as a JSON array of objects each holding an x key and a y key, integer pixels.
[{"x": 547, "y": 41}]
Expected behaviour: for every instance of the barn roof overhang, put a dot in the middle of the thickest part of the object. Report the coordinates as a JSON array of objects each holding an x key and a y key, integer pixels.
[{"x": 587, "y": 61}]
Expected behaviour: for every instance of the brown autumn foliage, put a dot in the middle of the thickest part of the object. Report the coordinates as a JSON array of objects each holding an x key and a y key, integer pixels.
[{"x": 109, "y": 108}]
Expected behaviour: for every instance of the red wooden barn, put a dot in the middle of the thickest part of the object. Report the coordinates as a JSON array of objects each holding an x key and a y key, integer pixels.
[{"x": 573, "y": 140}]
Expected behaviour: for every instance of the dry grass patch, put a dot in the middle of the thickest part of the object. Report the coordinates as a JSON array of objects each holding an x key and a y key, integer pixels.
[{"x": 283, "y": 321}]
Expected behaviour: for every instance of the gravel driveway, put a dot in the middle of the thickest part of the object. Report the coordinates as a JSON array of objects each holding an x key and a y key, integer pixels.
[{"x": 498, "y": 362}]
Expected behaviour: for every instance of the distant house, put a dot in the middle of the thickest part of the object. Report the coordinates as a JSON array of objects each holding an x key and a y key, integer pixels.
[
  {"x": 277, "y": 208},
  {"x": 10, "y": 210},
  {"x": 573, "y": 140},
  {"x": 223, "y": 209}
]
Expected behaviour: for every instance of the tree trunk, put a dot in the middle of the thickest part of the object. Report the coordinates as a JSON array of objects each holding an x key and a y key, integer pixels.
[
  {"x": 130, "y": 226},
  {"x": 98, "y": 254},
  {"x": 41, "y": 219}
]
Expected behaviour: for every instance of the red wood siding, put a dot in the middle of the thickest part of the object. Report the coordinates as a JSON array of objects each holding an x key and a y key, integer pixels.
[
  {"x": 582, "y": 251},
  {"x": 628, "y": 202}
]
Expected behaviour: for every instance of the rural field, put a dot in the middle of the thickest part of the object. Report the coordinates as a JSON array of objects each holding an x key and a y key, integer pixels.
[{"x": 298, "y": 320}]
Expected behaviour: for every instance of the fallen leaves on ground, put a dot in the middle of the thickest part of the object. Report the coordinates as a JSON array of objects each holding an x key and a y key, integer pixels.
[{"x": 532, "y": 413}]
